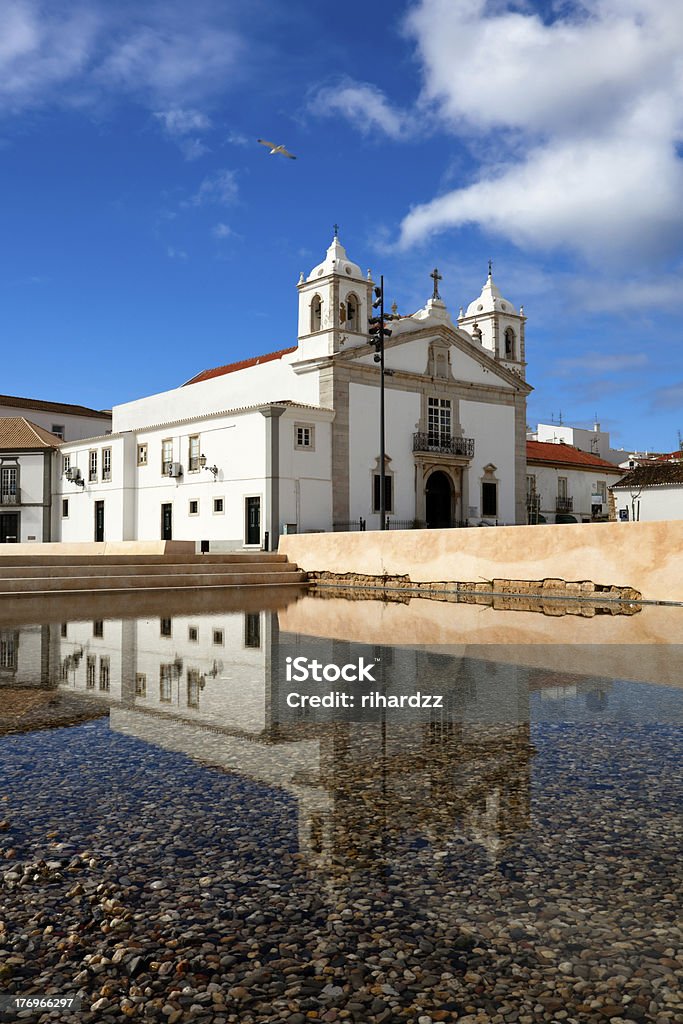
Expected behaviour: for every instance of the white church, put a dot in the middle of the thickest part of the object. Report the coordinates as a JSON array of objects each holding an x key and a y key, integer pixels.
[{"x": 290, "y": 441}]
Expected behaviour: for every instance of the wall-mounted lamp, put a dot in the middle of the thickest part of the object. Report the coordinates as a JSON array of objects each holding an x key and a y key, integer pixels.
[
  {"x": 73, "y": 475},
  {"x": 211, "y": 469}
]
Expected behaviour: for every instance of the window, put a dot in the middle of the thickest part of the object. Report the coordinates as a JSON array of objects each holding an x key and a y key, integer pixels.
[
  {"x": 388, "y": 493},
  {"x": 66, "y": 464},
  {"x": 65, "y": 508},
  {"x": 509, "y": 343},
  {"x": 9, "y": 650},
  {"x": 193, "y": 634},
  {"x": 601, "y": 489},
  {"x": 193, "y": 688},
  {"x": 90, "y": 672},
  {"x": 165, "y": 683},
  {"x": 166, "y": 456},
  {"x": 352, "y": 313},
  {"x": 316, "y": 313},
  {"x": 9, "y": 480},
  {"x": 92, "y": 466},
  {"x": 489, "y": 498},
  {"x": 64, "y": 629},
  {"x": 252, "y": 629},
  {"x": 58, "y": 429},
  {"x": 142, "y": 455},
  {"x": 105, "y": 677},
  {"x": 562, "y": 487},
  {"x": 439, "y": 421},
  {"x": 106, "y": 463},
  {"x": 218, "y": 637},
  {"x": 98, "y": 628},
  {"x": 530, "y": 485},
  {"x": 165, "y": 627},
  {"x": 140, "y": 684},
  {"x": 304, "y": 436},
  {"x": 193, "y": 454},
  {"x": 194, "y": 507},
  {"x": 218, "y": 506}
]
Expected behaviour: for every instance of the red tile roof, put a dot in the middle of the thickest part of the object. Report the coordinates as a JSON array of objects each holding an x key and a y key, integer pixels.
[
  {"x": 671, "y": 457},
  {"x": 36, "y": 403},
  {"x": 565, "y": 455},
  {"x": 18, "y": 432},
  {"x": 218, "y": 371}
]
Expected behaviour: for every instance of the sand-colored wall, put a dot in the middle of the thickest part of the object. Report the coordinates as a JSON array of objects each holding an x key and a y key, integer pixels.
[
  {"x": 132, "y": 547},
  {"x": 645, "y": 556}
]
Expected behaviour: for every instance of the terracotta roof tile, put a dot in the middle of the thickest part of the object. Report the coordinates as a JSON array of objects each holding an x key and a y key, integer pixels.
[
  {"x": 18, "y": 432},
  {"x": 565, "y": 455},
  {"x": 34, "y": 403},
  {"x": 218, "y": 371},
  {"x": 652, "y": 474}
]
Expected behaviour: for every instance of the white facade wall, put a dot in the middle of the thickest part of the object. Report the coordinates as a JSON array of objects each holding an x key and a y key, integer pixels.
[
  {"x": 271, "y": 381},
  {"x": 582, "y": 484},
  {"x": 79, "y": 522},
  {"x": 31, "y": 508},
  {"x": 402, "y": 413},
  {"x": 647, "y": 504},
  {"x": 305, "y": 480},
  {"x": 493, "y": 429}
]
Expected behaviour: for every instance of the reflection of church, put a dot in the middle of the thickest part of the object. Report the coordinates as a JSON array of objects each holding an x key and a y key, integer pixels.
[
  {"x": 210, "y": 687},
  {"x": 290, "y": 440}
]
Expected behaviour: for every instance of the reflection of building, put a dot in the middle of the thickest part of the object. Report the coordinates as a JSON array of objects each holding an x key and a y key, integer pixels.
[{"x": 211, "y": 687}]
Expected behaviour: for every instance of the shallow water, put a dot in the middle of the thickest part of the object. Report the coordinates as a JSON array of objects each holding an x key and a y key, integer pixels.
[{"x": 179, "y": 841}]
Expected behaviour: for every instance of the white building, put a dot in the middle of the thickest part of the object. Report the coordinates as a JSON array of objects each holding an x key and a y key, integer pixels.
[
  {"x": 566, "y": 485},
  {"x": 651, "y": 492},
  {"x": 290, "y": 440},
  {"x": 65, "y": 421},
  {"x": 27, "y": 454}
]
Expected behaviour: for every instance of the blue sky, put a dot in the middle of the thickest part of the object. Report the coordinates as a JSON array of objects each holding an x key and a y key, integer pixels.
[{"x": 146, "y": 236}]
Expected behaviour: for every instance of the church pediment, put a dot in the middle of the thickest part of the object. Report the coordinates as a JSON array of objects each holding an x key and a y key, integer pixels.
[{"x": 445, "y": 353}]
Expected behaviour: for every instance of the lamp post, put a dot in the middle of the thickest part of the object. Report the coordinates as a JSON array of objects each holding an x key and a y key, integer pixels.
[{"x": 378, "y": 332}]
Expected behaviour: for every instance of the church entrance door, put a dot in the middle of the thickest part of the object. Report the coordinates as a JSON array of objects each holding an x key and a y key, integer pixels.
[{"x": 439, "y": 504}]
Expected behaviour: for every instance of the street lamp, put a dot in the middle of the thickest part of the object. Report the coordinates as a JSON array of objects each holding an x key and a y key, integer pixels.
[
  {"x": 211, "y": 469},
  {"x": 378, "y": 333}
]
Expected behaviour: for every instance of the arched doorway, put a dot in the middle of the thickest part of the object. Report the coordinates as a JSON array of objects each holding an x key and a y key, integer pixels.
[{"x": 439, "y": 501}]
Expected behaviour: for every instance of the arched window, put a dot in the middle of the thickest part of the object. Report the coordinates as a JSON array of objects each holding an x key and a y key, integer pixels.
[
  {"x": 509, "y": 343},
  {"x": 352, "y": 312},
  {"x": 316, "y": 313}
]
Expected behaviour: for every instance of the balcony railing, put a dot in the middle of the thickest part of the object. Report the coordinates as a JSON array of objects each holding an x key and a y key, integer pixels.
[
  {"x": 564, "y": 504},
  {"x": 9, "y": 499},
  {"x": 444, "y": 444}
]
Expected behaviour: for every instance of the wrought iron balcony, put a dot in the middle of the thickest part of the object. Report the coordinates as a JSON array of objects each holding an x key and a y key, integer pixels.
[
  {"x": 564, "y": 504},
  {"x": 444, "y": 444},
  {"x": 9, "y": 499}
]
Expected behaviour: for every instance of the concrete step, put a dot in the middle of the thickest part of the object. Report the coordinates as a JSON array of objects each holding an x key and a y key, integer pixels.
[
  {"x": 141, "y": 581},
  {"x": 68, "y": 570},
  {"x": 228, "y": 558}
]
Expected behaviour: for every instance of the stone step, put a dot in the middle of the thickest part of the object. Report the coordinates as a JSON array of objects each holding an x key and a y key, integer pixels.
[
  {"x": 68, "y": 570},
  {"x": 141, "y": 581},
  {"x": 227, "y": 558}
]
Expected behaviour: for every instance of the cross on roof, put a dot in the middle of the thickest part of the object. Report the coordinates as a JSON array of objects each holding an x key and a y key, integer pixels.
[
  {"x": 336, "y": 230},
  {"x": 436, "y": 277}
]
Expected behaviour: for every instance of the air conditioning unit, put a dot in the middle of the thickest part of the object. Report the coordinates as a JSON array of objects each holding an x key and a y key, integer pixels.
[
  {"x": 73, "y": 473},
  {"x": 175, "y": 470}
]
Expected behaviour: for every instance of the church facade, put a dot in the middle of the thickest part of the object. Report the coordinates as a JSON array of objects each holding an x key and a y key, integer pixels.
[{"x": 290, "y": 441}]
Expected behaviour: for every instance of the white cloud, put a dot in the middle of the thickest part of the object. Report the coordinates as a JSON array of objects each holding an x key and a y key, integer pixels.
[
  {"x": 586, "y": 111},
  {"x": 221, "y": 230},
  {"x": 83, "y": 51},
  {"x": 179, "y": 122},
  {"x": 365, "y": 106},
  {"x": 601, "y": 362},
  {"x": 670, "y": 397},
  {"x": 176, "y": 254},
  {"x": 237, "y": 139},
  {"x": 217, "y": 189}
]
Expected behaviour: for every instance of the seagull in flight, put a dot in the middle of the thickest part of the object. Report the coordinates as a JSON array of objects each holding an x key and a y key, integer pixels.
[{"x": 274, "y": 148}]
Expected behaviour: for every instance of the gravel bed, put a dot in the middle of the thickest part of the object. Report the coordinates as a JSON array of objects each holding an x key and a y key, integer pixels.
[{"x": 157, "y": 889}]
